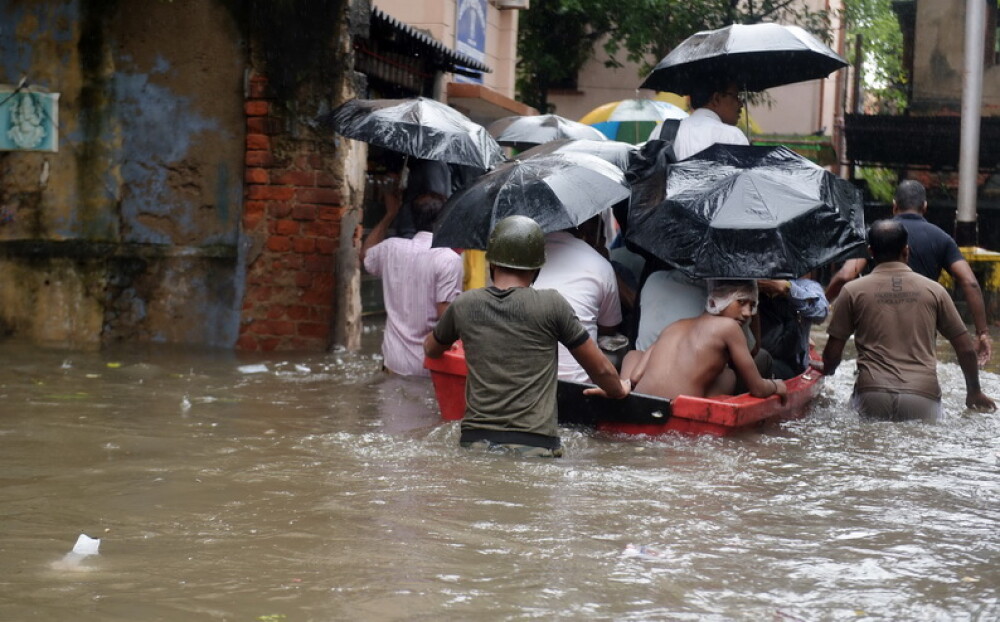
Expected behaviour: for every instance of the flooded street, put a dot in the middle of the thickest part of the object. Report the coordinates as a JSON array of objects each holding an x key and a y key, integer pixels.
[{"x": 312, "y": 488}]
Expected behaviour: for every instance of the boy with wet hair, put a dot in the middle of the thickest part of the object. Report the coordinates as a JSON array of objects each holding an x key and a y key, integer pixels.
[{"x": 704, "y": 356}]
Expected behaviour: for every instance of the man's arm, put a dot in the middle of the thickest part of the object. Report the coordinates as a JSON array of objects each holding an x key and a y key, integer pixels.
[
  {"x": 805, "y": 296},
  {"x": 963, "y": 275},
  {"x": 832, "y": 354},
  {"x": 847, "y": 273},
  {"x": 609, "y": 312},
  {"x": 378, "y": 232},
  {"x": 601, "y": 371},
  {"x": 433, "y": 348},
  {"x": 966, "y": 352},
  {"x": 808, "y": 299},
  {"x": 746, "y": 369}
]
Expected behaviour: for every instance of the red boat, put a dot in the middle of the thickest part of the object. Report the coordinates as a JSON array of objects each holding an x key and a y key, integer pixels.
[{"x": 638, "y": 413}]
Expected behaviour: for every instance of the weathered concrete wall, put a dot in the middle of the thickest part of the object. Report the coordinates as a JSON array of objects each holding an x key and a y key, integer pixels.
[
  {"x": 939, "y": 58},
  {"x": 183, "y": 174},
  {"x": 131, "y": 230}
]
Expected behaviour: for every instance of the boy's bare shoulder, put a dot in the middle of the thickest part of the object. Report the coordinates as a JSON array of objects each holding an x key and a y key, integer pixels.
[{"x": 718, "y": 323}]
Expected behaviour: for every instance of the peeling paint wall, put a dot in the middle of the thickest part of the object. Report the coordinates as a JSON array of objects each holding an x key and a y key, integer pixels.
[
  {"x": 130, "y": 231},
  {"x": 939, "y": 57}
]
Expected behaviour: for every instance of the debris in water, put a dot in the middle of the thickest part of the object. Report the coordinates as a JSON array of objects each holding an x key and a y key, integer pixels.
[
  {"x": 252, "y": 369},
  {"x": 641, "y": 551},
  {"x": 85, "y": 546}
]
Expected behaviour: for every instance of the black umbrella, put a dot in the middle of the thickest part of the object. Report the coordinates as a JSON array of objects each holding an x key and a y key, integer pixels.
[
  {"x": 524, "y": 132},
  {"x": 750, "y": 212},
  {"x": 558, "y": 190},
  {"x": 755, "y": 56},
  {"x": 613, "y": 151},
  {"x": 420, "y": 127}
]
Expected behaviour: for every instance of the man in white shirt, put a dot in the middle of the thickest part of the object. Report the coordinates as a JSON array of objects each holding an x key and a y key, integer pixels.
[
  {"x": 587, "y": 281},
  {"x": 717, "y": 106},
  {"x": 418, "y": 282},
  {"x": 668, "y": 296}
]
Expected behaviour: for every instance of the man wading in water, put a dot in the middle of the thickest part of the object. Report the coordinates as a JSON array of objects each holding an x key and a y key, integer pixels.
[
  {"x": 509, "y": 331},
  {"x": 895, "y": 315}
]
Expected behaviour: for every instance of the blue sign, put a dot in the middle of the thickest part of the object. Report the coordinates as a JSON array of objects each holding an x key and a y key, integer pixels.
[{"x": 470, "y": 32}]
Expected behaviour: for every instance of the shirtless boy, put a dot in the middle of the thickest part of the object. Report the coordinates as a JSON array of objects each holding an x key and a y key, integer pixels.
[{"x": 703, "y": 356}]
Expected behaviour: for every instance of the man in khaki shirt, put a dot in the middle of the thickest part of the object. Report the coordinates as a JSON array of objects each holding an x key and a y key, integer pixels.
[{"x": 895, "y": 315}]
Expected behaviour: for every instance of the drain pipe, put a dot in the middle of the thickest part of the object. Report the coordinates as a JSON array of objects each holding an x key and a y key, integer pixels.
[{"x": 972, "y": 104}]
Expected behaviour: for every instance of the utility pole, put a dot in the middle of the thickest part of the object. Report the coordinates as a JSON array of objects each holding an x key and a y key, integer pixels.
[{"x": 972, "y": 105}]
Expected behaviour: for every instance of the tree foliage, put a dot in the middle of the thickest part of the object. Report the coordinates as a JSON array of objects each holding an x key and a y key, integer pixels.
[
  {"x": 556, "y": 37},
  {"x": 883, "y": 75}
]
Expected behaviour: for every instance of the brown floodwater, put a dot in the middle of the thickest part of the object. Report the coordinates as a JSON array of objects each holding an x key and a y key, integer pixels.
[{"x": 294, "y": 488}]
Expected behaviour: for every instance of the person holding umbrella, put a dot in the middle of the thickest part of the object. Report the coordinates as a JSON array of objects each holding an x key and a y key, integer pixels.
[
  {"x": 752, "y": 57},
  {"x": 717, "y": 104},
  {"x": 509, "y": 331},
  {"x": 418, "y": 282}
]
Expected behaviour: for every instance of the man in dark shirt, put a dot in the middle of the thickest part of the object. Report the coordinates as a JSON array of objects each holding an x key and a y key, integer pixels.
[{"x": 931, "y": 250}]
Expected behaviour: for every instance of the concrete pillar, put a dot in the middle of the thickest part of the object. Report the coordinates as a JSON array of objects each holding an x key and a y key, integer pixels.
[{"x": 972, "y": 102}]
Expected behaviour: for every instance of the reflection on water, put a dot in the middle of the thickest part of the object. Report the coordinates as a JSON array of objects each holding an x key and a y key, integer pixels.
[{"x": 312, "y": 487}]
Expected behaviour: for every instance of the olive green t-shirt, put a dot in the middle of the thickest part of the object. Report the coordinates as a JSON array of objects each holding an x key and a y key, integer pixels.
[
  {"x": 510, "y": 339},
  {"x": 895, "y": 315}
]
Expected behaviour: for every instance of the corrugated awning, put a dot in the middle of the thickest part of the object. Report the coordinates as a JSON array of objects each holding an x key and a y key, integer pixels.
[{"x": 421, "y": 44}]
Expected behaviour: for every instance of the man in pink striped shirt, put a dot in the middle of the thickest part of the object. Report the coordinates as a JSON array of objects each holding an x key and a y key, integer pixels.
[{"x": 418, "y": 282}]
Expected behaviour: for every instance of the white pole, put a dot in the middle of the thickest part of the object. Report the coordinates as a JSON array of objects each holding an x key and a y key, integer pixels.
[{"x": 972, "y": 103}]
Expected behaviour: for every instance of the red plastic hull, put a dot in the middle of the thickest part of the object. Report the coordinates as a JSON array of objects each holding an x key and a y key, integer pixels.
[{"x": 647, "y": 415}]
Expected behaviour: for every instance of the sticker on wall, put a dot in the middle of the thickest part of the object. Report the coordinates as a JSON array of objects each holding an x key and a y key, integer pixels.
[{"x": 28, "y": 121}]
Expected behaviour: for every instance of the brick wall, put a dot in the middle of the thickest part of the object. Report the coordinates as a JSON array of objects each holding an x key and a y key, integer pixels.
[{"x": 292, "y": 212}]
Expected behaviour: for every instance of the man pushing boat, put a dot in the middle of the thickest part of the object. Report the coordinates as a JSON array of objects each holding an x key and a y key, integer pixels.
[
  {"x": 509, "y": 332},
  {"x": 704, "y": 356}
]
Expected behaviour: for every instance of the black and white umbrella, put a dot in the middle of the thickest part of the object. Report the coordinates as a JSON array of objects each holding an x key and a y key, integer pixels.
[
  {"x": 733, "y": 211},
  {"x": 524, "y": 132},
  {"x": 557, "y": 190},
  {"x": 755, "y": 56},
  {"x": 419, "y": 127}
]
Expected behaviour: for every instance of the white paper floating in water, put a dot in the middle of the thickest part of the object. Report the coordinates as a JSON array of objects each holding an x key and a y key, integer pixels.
[
  {"x": 252, "y": 369},
  {"x": 85, "y": 545}
]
